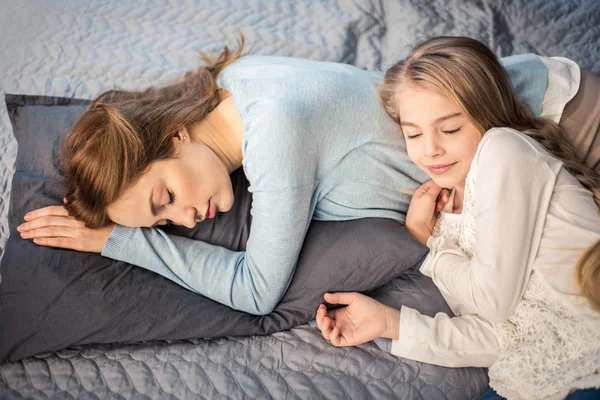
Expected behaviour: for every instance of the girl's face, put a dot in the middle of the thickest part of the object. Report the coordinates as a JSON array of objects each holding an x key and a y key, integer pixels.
[
  {"x": 440, "y": 139},
  {"x": 183, "y": 190}
]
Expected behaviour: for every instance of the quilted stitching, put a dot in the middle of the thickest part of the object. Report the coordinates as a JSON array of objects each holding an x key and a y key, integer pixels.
[{"x": 296, "y": 364}]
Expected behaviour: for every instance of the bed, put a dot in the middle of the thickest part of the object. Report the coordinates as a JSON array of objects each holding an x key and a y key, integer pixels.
[{"x": 75, "y": 49}]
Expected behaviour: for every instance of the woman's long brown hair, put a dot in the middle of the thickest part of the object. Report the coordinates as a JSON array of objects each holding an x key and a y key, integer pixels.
[{"x": 122, "y": 133}]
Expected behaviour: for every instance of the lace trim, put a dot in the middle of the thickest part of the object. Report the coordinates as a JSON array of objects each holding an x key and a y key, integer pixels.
[{"x": 460, "y": 227}]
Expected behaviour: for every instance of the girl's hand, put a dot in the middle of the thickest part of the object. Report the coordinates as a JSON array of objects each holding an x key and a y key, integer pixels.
[
  {"x": 52, "y": 226},
  {"x": 426, "y": 203},
  {"x": 361, "y": 320}
]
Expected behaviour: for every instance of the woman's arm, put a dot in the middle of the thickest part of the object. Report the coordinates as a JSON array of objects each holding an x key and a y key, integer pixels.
[
  {"x": 253, "y": 281},
  {"x": 513, "y": 187}
]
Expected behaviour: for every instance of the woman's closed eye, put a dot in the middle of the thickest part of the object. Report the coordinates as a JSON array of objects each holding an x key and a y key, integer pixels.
[
  {"x": 171, "y": 197},
  {"x": 413, "y": 135}
]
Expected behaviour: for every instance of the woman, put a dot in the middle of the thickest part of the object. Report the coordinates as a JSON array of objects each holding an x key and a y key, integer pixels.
[
  {"x": 312, "y": 138},
  {"x": 504, "y": 249}
]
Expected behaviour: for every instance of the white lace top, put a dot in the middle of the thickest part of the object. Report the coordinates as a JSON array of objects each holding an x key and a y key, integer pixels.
[{"x": 506, "y": 268}]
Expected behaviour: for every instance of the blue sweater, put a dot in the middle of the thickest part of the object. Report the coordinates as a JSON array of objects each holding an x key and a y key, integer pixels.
[{"x": 317, "y": 145}]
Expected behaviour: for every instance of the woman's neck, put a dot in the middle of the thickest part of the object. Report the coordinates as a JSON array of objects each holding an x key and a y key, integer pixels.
[{"x": 222, "y": 132}]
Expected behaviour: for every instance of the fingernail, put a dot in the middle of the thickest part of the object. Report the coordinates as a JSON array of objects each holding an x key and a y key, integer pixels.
[
  {"x": 24, "y": 234},
  {"x": 19, "y": 228},
  {"x": 36, "y": 241},
  {"x": 26, "y": 217}
]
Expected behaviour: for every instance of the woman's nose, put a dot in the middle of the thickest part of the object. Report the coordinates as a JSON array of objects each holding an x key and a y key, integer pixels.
[{"x": 187, "y": 218}]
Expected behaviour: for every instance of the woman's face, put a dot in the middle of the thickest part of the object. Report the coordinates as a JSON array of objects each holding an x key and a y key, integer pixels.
[
  {"x": 440, "y": 139},
  {"x": 183, "y": 190}
]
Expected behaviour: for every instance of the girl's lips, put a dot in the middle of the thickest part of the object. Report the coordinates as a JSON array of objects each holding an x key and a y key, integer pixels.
[{"x": 440, "y": 169}]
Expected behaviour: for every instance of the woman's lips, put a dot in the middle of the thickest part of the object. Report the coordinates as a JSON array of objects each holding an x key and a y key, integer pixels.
[
  {"x": 210, "y": 211},
  {"x": 440, "y": 169}
]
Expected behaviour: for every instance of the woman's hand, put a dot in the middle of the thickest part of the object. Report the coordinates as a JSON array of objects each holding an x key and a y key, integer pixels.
[
  {"x": 52, "y": 226},
  {"x": 361, "y": 320},
  {"x": 426, "y": 203}
]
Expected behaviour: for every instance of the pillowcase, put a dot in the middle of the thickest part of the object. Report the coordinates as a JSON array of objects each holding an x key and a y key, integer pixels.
[
  {"x": 547, "y": 28},
  {"x": 54, "y": 298}
]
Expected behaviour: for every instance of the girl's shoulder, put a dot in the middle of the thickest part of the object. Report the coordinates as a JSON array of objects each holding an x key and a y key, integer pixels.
[{"x": 507, "y": 148}]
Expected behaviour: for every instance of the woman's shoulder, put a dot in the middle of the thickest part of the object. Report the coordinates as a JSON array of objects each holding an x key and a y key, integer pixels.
[{"x": 276, "y": 68}]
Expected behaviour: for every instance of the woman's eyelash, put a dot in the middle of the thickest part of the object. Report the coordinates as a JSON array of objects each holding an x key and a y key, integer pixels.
[
  {"x": 413, "y": 136},
  {"x": 171, "y": 197}
]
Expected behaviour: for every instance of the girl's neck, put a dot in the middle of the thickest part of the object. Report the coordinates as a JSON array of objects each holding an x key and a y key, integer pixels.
[
  {"x": 222, "y": 131},
  {"x": 459, "y": 195}
]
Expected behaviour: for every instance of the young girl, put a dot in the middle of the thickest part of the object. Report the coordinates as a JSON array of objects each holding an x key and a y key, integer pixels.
[{"x": 504, "y": 251}]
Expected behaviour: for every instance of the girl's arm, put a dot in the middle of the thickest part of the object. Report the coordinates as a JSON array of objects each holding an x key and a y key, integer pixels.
[
  {"x": 253, "y": 281},
  {"x": 452, "y": 342},
  {"x": 465, "y": 341},
  {"x": 513, "y": 187}
]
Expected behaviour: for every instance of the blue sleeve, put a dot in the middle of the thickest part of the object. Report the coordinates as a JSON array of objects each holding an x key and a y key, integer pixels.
[
  {"x": 253, "y": 281},
  {"x": 529, "y": 77}
]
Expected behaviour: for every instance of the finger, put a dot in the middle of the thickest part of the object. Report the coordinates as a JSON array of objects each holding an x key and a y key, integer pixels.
[
  {"x": 48, "y": 221},
  {"x": 336, "y": 338},
  {"x": 331, "y": 314},
  {"x": 63, "y": 243},
  {"x": 443, "y": 199},
  {"x": 52, "y": 231},
  {"x": 42, "y": 212},
  {"x": 327, "y": 326},
  {"x": 344, "y": 298},
  {"x": 336, "y": 298},
  {"x": 65, "y": 201},
  {"x": 432, "y": 191},
  {"x": 321, "y": 313},
  {"x": 423, "y": 188}
]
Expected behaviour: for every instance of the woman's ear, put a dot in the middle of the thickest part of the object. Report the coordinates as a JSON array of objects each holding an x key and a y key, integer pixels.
[
  {"x": 182, "y": 134},
  {"x": 181, "y": 137}
]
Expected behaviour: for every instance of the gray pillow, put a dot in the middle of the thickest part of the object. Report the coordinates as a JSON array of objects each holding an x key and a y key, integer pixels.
[{"x": 52, "y": 298}]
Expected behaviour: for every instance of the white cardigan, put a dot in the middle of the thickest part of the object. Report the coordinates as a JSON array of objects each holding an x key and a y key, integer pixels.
[{"x": 506, "y": 268}]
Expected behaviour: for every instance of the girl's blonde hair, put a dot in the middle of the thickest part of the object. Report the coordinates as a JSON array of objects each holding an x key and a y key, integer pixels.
[
  {"x": 587, "y": 275},
  {"x": 468, "y": 73},
  {"x": 122, "y": 133}
]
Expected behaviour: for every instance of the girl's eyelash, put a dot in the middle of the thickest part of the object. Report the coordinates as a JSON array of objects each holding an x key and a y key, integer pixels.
[
  {"x": 171, "y": 197},
  {"x": 452, "y": 131},
  {"x": 413, "y": 136}
]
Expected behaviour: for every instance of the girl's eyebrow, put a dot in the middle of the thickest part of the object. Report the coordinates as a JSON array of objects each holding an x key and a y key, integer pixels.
[{"x": 440, "y": 119}]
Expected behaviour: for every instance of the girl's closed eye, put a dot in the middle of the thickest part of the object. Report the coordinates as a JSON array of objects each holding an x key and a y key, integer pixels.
[
  {"x": 412, "y": 135},
  {"x": 451, "y": 131}
]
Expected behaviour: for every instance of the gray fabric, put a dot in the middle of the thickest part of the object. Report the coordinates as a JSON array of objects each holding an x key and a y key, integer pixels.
[
  {"x": 54, "y": 298},
  {"x": 296, "y": 364},
  {"x": 566, "y": 28}
]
